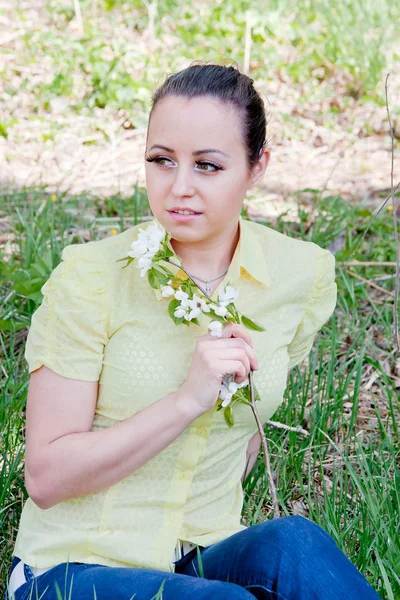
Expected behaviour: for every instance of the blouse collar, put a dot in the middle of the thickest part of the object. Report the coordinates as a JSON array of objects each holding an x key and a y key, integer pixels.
[{"x": 248, "y": 261}]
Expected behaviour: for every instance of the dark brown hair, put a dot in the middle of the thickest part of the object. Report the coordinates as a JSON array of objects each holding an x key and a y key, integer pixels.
[{"x": 231, "y": 87}]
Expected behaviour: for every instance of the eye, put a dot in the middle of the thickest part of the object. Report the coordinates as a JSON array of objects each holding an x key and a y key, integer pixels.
[
  {"x": 158, "y": 159},
  {"x": 215, "y": 166}
]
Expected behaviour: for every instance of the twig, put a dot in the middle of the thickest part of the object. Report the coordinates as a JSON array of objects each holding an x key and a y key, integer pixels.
[
  {"x": 78, "y": 15},
  {"x": 358, "y": 263},
  {"x": 265, "y": 448},
  {"x": 374, "y": 217},
  {"x": 277, "y": 425},
  {"x": 370, "y": 283},
  {"x": 151, "y": 12},
  {"x": 396, "y": 234},
  {"x": 247, "y": 43}
]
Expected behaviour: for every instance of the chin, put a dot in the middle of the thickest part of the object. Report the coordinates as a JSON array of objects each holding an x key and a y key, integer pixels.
[{"x": 184, "y": 236}]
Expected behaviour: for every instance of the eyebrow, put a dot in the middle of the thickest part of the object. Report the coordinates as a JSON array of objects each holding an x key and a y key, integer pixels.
[{"x": 207, "y": 151}]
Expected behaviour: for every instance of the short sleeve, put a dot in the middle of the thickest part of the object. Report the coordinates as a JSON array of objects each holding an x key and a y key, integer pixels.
[
  {"x": 321, "y": 305},
  {"x": 68, "y": 331}
]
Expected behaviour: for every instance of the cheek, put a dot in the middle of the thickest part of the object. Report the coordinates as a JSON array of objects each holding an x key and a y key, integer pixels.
[
  {"x": 229, "y": 189},
  {"x": 155, "y": 184}
]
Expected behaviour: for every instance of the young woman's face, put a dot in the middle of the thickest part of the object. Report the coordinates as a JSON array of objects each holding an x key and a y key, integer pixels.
[{"x": 201, "y": 167}]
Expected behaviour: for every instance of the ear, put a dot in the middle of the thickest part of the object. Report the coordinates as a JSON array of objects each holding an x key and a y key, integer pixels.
[{"x": 260, "y": 167}]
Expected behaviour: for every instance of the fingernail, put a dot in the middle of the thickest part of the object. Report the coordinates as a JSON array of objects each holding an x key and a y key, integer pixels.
[{"x": 257, "y": 365}]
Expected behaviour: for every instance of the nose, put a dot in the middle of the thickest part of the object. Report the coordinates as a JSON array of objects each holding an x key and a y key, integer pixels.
[{"x": 183, "y": 183}]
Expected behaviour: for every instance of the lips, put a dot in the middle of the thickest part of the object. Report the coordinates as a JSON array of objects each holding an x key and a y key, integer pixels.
[
  {"x": 191, "y": 210},
  {"x": 180, "y": 218}
]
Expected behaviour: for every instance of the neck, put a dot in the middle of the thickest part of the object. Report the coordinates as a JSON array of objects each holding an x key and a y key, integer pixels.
[{"x": 208, "y": 258}]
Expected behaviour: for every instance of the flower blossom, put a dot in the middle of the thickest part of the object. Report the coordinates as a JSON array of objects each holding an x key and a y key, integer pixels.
[
  {"x": 229, "y": 388},
  {"x": 221, "y": 311},
  {"x": 228, "y": 296},
  {"x": 146, "y": 246},
  {"x": 181, "y": 295},
  {"x": 216, "y": 328},
  {"x": 167, "y": 290},
  {"x": 197, "y": 302}
]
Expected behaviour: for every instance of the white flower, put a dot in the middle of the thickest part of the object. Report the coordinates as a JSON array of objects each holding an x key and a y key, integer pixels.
[
  {"x": 229, "y": 389},
  {"x": 221, "y": 311},
  {"x": 234, "y": 387},
  {"x": 194, "y": 313},
  {"x": 188, "y": 309},
  {"x": 167, "y": 290},
  {"x": 148, "y": 242},
  {"x": 181, "y": 295},
  {"x": 197, "y": 302},
  {"x": 185, "y": 310},
  {"x": 186, "y": 303},
  {"x": 225, "y": 396},
  {"x": 144, "y": 263},
  {"x": 228, "y": 296},
  {"x": 215, "y": 328},
  {"x": 139, "y": 248},
  {"x": 179, "y": 312}
]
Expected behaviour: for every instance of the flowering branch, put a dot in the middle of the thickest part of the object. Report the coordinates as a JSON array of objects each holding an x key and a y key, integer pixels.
[
  {"x": 151, "y": 249},
  {"x": 264, "y": 443}
]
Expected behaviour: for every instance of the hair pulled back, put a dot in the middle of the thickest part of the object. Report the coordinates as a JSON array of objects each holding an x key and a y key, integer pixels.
[{"x": 231, "y": 87}]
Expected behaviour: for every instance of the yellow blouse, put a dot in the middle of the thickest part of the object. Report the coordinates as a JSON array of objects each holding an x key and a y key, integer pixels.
[{"x": 101, "y": 322}]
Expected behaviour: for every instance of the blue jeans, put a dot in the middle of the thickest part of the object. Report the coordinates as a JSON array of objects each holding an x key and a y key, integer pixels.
[{"x": 289, "y": 558}]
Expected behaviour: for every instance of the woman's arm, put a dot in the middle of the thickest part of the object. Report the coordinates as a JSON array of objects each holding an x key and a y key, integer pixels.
[
  {"x": 65, "y": 459},
  {"x": 253, "y": 449}
]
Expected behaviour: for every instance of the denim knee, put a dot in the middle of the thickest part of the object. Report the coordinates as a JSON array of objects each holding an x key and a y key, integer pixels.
[
  {"x": 296, "y": 534},
  {"x": 220, "y": 590}
]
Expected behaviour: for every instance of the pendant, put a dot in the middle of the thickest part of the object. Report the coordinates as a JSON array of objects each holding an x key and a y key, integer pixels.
[{"x": 208, "y": 289}]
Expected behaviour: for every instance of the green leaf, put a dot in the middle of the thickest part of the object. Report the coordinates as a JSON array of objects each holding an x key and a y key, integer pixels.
[
  {"x": 251, "y": 325},
  {"x": 168, "y": 252},
  {"x": 228, "y": 415},
  {"x": 257, "y": 396},
  {"x": 7, "y": 325},
  {"x": 37, "y": 297},
  {"x": 215, "y": 317},
  {"x": 172, "y": 306},
  {"x": 160, "y": 277},
  {"x": 128, "y": 258},
  {"x": 152, "y": 278}
]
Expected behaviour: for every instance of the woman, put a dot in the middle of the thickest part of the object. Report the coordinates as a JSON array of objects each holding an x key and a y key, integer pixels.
[{"x": 133, "y": 475}]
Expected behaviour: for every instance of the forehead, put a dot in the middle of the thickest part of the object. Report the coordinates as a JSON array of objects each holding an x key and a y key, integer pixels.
[{"x": 200, "y": 122}]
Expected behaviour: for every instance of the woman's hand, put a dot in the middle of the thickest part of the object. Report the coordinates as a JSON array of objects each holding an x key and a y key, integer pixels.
[{"x": 213, "y": 358}]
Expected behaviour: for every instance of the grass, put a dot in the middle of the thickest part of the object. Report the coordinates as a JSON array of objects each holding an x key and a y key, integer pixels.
[
  {"x": 345, "y": 475},
  {"x": 326, "y": 51}
]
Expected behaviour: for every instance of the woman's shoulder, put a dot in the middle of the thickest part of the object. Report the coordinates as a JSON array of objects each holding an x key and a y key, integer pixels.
[
  {"x": 101, "y": 255},
  {"x": 301, "y": 261},
  {"x": 279, "y": 244}
]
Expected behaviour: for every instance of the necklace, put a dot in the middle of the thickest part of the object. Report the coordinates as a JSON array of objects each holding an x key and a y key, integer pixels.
[{"x": 207, "y": 281}]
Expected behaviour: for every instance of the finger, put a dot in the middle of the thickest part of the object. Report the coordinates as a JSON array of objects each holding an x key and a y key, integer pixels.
[
  {"x": 239, "y": 344},
  {"x": 237, "y": 330},
  {"x": 235, "y": 367},
  {"x": 236, "y": 354}
]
